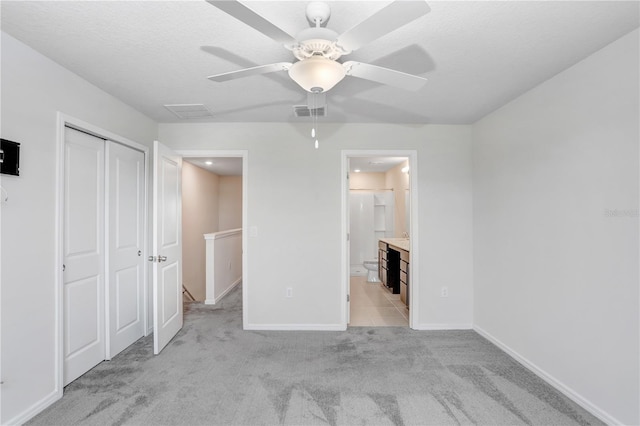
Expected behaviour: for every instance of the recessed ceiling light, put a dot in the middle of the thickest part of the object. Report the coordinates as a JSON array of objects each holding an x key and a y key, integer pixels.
[
  {"x": 357, "y": 170},
  {"x": 405, "y": 169},
  {"x": 208, "y": 163}
]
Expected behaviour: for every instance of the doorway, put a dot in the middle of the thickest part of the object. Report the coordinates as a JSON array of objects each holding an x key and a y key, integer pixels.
[
  {"x": 379, "y": 197},
  {"x": 211, "y": 206},
  {"x": 224, "y": 175}
]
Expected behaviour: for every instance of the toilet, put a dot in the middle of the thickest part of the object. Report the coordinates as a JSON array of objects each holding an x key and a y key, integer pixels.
[{"x": 372, "y": 267}]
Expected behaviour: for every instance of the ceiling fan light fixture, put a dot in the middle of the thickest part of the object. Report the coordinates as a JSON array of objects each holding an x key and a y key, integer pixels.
[{"x": 317, "y": 72}]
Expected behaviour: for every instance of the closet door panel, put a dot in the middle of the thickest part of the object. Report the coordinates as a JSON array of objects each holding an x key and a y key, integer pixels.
[
  {"x": 83, "y": 248},
  {"x": 126, "y": 263}
]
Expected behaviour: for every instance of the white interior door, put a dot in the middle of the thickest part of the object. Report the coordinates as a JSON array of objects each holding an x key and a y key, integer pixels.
[
  {"x": 348, "y": 251},
  {"x": 83, "y": 248},
  {"x": 126, "y": 233},
  {"x": 167, "y": 245}
]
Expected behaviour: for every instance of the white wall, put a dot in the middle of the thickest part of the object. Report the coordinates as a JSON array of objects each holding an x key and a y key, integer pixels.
[
  {"x": 556, "y": 276},
  {"x": 33, "y": 89},
  {"x": 224, "y": 263},
  {"x": 294, "y": 197},
  {"x": 200, "y": 206},
  {"x": 399, "y": 181},
  {"x": 230, "y": 203},
  {"x": 364, "y": 180}
]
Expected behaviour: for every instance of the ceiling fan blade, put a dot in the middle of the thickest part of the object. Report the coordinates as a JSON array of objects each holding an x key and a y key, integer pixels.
[
  {"x": 387, "y": 19},
  {"x": 243, "y": 14},
  {"x": 386, "y": 76},
  {"x": 247, "y": 72}
]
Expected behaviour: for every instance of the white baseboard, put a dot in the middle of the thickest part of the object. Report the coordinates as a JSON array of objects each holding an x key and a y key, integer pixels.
[
  {"x": 557, "y": 384},
  {"x": 440, "y": 326},
  {"x": 294, "y": 327},
  {"x": 36, "y": 408},
  {"x": 224, "y": 293}
]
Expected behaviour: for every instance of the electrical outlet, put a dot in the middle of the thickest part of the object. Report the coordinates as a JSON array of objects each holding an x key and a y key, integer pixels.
[
  {"x": 289, "y": 292},
  {"x": 444, "y": 292}
]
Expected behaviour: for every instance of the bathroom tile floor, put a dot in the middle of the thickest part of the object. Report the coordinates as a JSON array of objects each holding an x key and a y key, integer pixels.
[{"x": 373, "y": 305}]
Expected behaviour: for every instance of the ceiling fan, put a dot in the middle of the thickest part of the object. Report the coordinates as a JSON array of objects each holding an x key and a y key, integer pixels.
[{"x": 318, "y": 48}]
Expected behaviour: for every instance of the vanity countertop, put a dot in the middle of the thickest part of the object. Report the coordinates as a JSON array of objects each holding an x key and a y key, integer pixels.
[{"x": 401, "y": 243}]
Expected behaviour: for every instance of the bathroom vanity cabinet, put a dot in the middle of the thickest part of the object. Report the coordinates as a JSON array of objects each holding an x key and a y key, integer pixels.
[
  {"x": 394, "y": 266},
  {"x": 382, "y": 261},
  {"x": 404, "y": 277}
]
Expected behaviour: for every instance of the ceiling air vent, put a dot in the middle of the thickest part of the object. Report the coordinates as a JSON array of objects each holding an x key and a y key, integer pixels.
[
  {"x": 187, "y": 111},
  {"x": 305, "y": 111}
]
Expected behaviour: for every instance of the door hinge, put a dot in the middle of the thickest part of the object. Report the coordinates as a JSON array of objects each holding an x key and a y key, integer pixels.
[
  {"x": 348, "y": 236},
  {"x": 348, "y": 298}
]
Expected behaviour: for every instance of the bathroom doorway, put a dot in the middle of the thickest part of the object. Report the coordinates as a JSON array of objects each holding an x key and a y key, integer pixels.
[{"x": 378, "y": 196}]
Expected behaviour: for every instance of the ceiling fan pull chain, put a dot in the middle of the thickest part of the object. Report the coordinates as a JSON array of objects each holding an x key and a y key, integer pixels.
[{"x": 314, "y": 116}]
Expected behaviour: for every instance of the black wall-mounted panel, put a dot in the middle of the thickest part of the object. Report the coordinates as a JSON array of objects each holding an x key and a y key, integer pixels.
[{"x": 9, "y": 157}]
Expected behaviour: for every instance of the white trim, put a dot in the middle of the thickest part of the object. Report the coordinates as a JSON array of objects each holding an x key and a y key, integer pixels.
[
  {"x": 244, "y": 154},
  {"x": 222, "y": 234},
  {"x": 412, "y": 155},
  {"x": 224, "y": 293},
  {"x": 443, "y": 326},
  {"x": 107, "y": 253},
  {"x": 59, "y": 255},
  {"x": 34, "y": 409},
  {"x": 550, "y": 379},
  {"x": 296, "y": 327},
  {"x": 64, "y": 120},
  {"x": 345, "y": 263},
  {"x": 196, "y": 153}
]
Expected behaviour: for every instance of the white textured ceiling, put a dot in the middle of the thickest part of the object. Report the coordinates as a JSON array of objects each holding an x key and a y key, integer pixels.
[
  {"x": 222, "y": 166},
  {"x": 476, "y": 55},
  {"x": 374, "y": 164}
]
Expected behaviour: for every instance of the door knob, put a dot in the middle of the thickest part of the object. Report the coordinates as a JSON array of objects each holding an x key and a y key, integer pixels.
[
  {"x": 139, "y": 253},
  {"x": 162, "y": 258}
]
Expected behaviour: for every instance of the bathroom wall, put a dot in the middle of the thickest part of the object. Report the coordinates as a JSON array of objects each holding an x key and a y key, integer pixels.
[
  {"x": 365, "y": 218},
  {"x": 399, "y": 181},
  {"x": 230, "y": 203},
  {"x": 200, "y": 203},
  {"x": 367, "y": 180}
]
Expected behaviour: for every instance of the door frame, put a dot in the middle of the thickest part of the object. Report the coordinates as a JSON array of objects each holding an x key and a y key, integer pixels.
[
  {"x": 244, "y": 154},
  {"x": 412, "y": 156},
  {"x": 63, "y": 121}
]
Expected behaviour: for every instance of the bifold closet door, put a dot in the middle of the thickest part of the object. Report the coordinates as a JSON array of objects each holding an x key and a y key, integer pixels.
[
  {"x": 126, "y": 263},
  {"x": 84, "y": 254}
]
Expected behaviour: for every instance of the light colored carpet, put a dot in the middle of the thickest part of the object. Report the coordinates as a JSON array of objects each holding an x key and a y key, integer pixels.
[{"x": 214, "y": 373}]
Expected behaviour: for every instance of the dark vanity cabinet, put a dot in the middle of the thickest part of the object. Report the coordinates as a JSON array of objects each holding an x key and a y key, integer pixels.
[
  {"x": 382, "y": 261},
  {"x": 404, "y": 277},
  {"x": 393, "y": 269}
]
